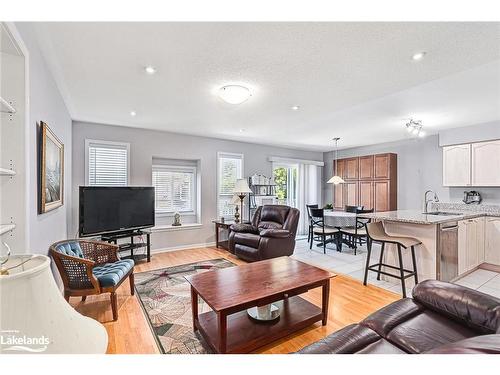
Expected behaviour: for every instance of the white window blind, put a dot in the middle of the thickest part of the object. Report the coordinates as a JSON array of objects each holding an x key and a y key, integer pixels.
[
  {"x": 230, "y": 168},
  {"x": 107, "y": 163},
  {"x": 175, "y": 188}
]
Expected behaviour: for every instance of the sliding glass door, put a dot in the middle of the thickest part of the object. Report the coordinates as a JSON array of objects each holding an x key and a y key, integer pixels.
[{"x": 286, "y": 180}]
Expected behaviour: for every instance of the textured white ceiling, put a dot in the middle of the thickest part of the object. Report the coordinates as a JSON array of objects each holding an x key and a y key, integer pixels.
[{"x": 353, "y": 80}]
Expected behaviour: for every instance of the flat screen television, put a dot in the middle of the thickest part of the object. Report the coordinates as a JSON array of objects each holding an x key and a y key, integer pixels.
[{"x": 115, "y": 209}]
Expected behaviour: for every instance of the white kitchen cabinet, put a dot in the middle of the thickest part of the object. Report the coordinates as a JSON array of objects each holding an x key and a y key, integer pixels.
[
  {"x": 462, "y": 246},
  {"x": 492, "y": 240},
  {"x": 480, "y": 239},
  {"x": 472, "y": 258},
  {"x": 486, "y": 163},
  {"x": 457, "y": 165},
  {"x": 470, "y": 244}
]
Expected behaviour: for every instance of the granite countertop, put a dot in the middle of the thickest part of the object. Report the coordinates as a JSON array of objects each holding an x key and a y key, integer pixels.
[{"x": 417, "y": 217}]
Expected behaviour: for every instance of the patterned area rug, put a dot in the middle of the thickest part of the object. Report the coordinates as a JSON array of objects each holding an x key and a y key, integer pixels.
[{"x": 165, "y": 296}]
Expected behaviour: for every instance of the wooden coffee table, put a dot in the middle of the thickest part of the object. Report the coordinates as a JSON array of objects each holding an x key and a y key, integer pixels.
[{"x": 230, "y": 291}]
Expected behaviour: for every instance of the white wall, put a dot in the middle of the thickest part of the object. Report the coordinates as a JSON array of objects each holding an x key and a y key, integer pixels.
[
  {"x": 420, "y": 167},
  {"x": 146, "y": 144},
  {"x": 468, "y": 134},
  {"x": 47, "y": 105}
]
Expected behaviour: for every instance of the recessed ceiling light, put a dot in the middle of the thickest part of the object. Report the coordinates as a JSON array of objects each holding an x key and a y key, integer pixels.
[
  {"x": 150, "y": 69},
  {"x": 295, "y": 108},
  {"x": 242, "y": 130},
  {"x": 133, "y": 113},
  {"x": 418, "y": 56},
  {"x": 234, "y": 94}
]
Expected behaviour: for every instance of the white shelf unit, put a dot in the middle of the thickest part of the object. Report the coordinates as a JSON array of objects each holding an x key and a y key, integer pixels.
[
  {"x": 7, "y": 172},
  {"x": 13, "y": 141},
  {"x": 6, "y": 107},
  {"x": 6, "y": 228}
]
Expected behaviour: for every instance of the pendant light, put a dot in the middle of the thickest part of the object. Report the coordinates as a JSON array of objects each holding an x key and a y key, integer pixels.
[{"x": 336, "y": 179}]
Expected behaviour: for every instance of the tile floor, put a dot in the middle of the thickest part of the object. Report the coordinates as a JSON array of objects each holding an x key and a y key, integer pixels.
[
  {"x": 483, "y": 280},
  {"x": 354, "y": 265}
]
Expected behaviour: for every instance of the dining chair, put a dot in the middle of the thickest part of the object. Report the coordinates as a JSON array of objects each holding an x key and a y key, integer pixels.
[
  {"x": 319, "y": 228},
  {"x": 310, "y": 229},
  {"x": 357, "y": 234},
  {"x": 353, "y": 209}
]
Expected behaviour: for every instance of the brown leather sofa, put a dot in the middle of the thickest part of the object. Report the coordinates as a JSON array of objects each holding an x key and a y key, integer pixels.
[
  {"x": 271, "y": 234},
  {"x": 441, "y": 318}
]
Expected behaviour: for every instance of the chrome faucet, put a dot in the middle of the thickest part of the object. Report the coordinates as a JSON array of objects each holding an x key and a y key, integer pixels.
[{"x": 426, "y": 201}]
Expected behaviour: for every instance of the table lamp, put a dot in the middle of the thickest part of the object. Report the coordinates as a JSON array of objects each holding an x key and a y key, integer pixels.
[
  {"x": 241, "y": 189},
  {"x": 35, "y": 318},
  {"x": 236, "y": 201}
]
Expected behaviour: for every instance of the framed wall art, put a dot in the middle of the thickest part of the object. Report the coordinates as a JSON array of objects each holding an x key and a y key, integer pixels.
[{"x": 50, "y": 170}]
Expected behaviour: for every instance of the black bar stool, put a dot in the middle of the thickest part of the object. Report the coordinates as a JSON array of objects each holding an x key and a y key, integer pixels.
[{"x": 376, "y": 233}]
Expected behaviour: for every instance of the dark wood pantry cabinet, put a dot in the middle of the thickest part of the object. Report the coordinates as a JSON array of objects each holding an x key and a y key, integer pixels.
[{"x": 370, "y": 181}]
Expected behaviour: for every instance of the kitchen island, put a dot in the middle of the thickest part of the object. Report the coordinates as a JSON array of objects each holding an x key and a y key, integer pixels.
[{"x": 454, "y": 243}]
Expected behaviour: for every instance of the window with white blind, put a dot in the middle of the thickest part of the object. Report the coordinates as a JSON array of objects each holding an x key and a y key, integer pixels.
[
  {"x": 107, "y": 163},
  {"x": 175, "y": 189},
  {"x": 229, "y": 169}
]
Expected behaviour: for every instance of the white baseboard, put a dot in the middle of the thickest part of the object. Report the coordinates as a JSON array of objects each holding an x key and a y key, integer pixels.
[{"x": 183, "y": 247}]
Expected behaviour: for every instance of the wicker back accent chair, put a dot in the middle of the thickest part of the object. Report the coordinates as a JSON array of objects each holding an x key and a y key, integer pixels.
[{"x": 90, "y": 268}]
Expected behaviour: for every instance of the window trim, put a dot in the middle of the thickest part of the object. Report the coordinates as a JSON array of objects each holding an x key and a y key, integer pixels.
[
  {"x": 88, "y": 142},
  {"x": 194, "y": 196},
  {"x": 220, "y": 155}
]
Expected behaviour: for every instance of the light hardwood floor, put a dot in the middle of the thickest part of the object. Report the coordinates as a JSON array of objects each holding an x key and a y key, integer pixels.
[{"x": 350, "y": 302}]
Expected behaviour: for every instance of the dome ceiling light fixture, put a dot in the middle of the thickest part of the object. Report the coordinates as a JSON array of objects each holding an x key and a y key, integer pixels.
[
  {"x": 415, "y": 128},
  {"x": 335, "y": 179},
  {"x": 234, "y": 94}
]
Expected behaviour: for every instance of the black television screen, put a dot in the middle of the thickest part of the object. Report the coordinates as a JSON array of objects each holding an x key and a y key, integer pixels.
[{"x": 115, "y": 209}]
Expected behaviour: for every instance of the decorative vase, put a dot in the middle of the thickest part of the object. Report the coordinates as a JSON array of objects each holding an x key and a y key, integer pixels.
[{"x": 35, "y": 318}]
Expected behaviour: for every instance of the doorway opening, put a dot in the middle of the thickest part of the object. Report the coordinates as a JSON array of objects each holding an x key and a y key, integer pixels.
[{"x": 286, "y": 180}]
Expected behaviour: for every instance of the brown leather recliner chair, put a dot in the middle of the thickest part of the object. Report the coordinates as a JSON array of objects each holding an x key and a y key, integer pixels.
[
  {"x": 270, "y": 235},
  {"x": 441, "y": 318}
]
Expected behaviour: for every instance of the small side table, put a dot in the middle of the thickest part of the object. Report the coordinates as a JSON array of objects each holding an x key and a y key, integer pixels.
[{"x": 222, "y": 227}]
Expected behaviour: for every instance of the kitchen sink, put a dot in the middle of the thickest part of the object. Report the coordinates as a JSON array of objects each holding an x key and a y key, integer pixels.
[{"x": 442, "y": 213}]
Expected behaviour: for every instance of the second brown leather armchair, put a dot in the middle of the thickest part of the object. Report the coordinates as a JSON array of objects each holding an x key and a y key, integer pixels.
[{"x": 270, "y": 235}]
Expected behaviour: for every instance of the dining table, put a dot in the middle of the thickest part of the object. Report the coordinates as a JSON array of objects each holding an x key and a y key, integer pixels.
[{"x": 338, "y": 219}]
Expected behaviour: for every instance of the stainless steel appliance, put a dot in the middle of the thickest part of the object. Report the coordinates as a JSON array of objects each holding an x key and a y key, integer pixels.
[
  {"x": 472, "y": 197},
  {"x": 447, "y": 251}
]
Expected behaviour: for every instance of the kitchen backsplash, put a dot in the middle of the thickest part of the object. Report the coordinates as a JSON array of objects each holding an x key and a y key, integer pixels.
[{"x": 492, "y": 209}]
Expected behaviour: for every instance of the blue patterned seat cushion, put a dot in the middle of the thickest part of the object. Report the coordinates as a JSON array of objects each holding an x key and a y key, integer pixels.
[
  {"x": 110, "y": 274},
  {"x": 71, "y": 248}
]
